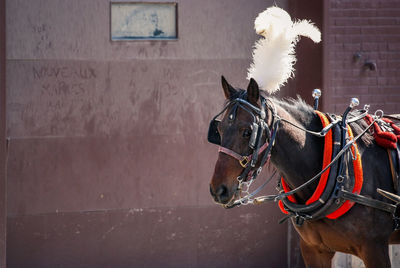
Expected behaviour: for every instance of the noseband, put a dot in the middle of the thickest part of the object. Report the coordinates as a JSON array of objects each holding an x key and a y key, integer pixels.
[{"x": 248, "y": 162}]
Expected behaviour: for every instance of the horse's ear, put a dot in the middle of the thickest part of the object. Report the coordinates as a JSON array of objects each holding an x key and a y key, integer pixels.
[
  {"x": 253, "y": 92},
  {"x": 228, "y": 89}
]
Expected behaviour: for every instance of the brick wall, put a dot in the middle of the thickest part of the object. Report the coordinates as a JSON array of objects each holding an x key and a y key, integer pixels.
[{"x": 372, "y": 29}]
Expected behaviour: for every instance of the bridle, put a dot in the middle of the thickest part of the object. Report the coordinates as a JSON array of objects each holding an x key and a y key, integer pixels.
[{"x": 249, "y": 162}]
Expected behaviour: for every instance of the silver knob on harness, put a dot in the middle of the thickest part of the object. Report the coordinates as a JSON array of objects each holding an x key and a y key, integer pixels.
[
  {"x": 316, "y": 94},
  {"x": 354, "y": 103}
]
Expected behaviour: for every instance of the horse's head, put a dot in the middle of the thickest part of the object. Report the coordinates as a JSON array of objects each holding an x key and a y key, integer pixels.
[{"x": 239, "y": 136}]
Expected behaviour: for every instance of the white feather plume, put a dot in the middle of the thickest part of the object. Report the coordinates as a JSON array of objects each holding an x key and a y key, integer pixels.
[
  {"x": 274, "y": 55},
  {"x": 307, "y": 29}
]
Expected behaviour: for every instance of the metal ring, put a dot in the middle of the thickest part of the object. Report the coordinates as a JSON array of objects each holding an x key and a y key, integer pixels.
[
  {"x": 238, "y": 178},
  {"x": 378, "y": 113}
]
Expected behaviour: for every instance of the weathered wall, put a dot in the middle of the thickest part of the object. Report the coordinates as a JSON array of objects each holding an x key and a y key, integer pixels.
[
  {"x": 108, "y": 162},
  {"x": 371, "y": 28}
]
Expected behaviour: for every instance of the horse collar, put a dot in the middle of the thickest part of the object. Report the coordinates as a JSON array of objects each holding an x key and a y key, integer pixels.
[{"x": 325, "y": 201}]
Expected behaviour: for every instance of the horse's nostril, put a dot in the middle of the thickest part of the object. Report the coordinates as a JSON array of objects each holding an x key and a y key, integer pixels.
[
  {"x": 222, "y": 194},
  {"x": 222, "y": 190}
]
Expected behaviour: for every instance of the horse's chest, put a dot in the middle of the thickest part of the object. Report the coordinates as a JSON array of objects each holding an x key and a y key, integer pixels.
[{"x": 322, "y": 237}]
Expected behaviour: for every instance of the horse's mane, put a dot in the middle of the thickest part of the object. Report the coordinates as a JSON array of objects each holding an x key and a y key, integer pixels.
[{"x": 304, "y": 113}]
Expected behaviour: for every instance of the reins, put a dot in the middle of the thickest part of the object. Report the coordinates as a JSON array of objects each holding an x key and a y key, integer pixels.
[
  {"x": 248, "y": 162},
  {"x": 251, "y": 170},
  {"x": 247, "y": 177},
  {"x": 326, "y": 129}
]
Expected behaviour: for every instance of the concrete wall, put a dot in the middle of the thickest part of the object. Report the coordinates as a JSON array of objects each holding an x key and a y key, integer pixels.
[{"x": 108, "y": 164}]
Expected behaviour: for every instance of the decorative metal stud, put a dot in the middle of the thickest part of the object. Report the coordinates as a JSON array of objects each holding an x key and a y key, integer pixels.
[
  {"x": 354, "y": 103},
  {"x": 316, "y": 94}
]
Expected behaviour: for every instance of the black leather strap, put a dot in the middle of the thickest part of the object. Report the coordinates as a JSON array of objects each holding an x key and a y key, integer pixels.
[{"x": 366, "y": 201}]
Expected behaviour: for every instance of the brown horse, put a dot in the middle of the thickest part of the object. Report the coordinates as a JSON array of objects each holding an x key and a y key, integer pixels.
[{"x": 297, "y": 155}]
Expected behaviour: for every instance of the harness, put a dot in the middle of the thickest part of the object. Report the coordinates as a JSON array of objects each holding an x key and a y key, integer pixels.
[
  {"x": 351, "y": 180},
  {"x": 341, "y": 176}
]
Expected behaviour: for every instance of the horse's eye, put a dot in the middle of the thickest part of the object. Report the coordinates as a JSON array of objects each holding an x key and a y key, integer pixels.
[{"x": 247, "y": 133}]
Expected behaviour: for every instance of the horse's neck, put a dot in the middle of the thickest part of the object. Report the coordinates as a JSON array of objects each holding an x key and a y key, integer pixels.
[{"x": 296, "y": 154}]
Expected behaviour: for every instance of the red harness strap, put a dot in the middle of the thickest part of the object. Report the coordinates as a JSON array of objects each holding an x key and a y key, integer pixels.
[{"x": 327, "y": 158}]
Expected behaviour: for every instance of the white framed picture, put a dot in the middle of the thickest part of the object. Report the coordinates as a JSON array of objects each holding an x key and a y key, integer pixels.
[{"x": 143, "y": 21}]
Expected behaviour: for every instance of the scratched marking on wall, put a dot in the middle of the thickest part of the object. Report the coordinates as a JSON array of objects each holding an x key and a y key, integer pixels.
[
  {"x": 63, "y": 100},
  {"x": 63, "y": 81},
  {"x": 132, "y": 21}
]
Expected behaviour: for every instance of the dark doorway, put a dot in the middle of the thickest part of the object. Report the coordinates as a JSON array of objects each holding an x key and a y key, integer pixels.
[{"x": 309, "y": 69}]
